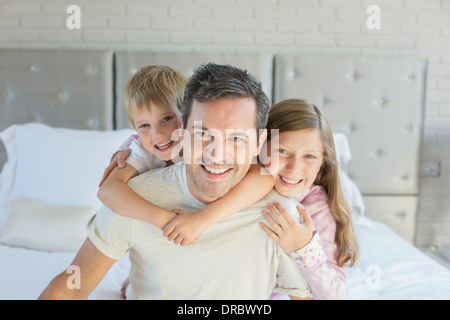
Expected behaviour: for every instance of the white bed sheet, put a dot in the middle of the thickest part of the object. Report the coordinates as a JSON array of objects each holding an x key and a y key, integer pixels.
[
  {"x": 389, "y": 268},
  {"x": 392, "y": 268},
  {"x": 24, "y": 273}
]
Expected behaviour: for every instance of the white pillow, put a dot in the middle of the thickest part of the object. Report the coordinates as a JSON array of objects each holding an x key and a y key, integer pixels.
[
  {"x": 55, "y": 165},
  {"x": 349, "y": 187},
  {"x": 39, "y": 225}
]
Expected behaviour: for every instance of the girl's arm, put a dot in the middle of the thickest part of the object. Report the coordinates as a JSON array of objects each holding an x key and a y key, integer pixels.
[
  {"x": 187, "y": 227},
  {"x": 117, "y": 195},
  {"x": 314, "y": 251}
]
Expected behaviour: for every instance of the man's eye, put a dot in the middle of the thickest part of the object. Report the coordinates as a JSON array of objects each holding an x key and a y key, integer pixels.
[
  {"x": 237, "y": 140},
  {"x": 203, "y": 136}
]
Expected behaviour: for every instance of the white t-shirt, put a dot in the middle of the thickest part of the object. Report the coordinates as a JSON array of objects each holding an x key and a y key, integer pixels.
[
  {"x": 141, "y": 159},
  {"x": 234, "y": 259}
]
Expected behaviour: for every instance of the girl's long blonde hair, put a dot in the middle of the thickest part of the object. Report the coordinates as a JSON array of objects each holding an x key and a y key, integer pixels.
[{"x": 295, "y": 114}]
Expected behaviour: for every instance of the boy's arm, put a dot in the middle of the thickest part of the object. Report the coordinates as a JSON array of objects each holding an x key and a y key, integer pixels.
[
  {"x": 117, "y": 195},
  {"x": 89, "y": 268},
  {"x": 253, "y": 187}
]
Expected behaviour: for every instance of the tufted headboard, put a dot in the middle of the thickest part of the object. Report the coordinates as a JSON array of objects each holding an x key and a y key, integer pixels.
[
  {"x": 70, "y": 89},
  {"x": 127, "y": 63},
  {"x": 377, "y": 102}
]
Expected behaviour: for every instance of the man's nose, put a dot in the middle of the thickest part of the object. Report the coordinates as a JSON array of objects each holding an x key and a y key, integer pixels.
[{"x": 215, "y": 152}]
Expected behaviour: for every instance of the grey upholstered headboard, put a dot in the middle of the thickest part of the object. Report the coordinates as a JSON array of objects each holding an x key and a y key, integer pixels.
[
  {"x": 377, "y": 102},
  {"x": 67, "y": 88},
  {"x": 127, "y": 63}
]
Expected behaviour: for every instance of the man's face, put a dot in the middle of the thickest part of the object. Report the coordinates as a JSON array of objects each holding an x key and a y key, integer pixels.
[{"x": 219, "y": 145}]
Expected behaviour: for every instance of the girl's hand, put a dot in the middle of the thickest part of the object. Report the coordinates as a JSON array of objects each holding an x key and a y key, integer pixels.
[
  {"x": 118, "y": 159},
  {"x": 289, "y": 234},
  {"x": 185, "y": 229}
]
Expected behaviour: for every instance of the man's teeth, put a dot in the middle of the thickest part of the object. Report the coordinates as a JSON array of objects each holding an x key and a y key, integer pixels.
[
  {"x": 290, "y": 181},
  {"x": 214, "y": 171}
]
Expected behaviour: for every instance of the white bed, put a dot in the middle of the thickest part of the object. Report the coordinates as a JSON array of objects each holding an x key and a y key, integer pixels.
[
  {"x": 48, "y": 185},
  {"x": 45, "y": 224}
]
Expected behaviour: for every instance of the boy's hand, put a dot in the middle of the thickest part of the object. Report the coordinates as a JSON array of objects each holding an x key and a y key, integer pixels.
[
  {"x": 288, "y": 233},
  {"x": 185, "y": 229},
  {"x": 118, "y": 159}
]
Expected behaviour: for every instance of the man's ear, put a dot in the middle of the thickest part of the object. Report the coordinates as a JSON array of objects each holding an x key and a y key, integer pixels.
[{"x": 261, "y": 140}]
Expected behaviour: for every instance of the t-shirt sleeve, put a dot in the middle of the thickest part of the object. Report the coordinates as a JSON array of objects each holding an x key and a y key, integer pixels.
[
  {"x": 110, "y": 233},
  {"x": 141, "y": 159},
  {"x": 291, "y": 280}
]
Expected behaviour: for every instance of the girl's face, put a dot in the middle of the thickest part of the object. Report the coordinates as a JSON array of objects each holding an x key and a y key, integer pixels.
[
  {"x": 300, "y": 156},
  {"x": 155, "y": 130}
]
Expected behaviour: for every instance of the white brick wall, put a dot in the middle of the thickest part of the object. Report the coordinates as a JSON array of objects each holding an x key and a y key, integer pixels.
[{"x": 409, "y": 28}]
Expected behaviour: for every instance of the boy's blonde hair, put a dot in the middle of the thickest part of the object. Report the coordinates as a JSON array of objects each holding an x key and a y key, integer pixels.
[
  {"x": 295, "y": 114},
  {"x": 160, "y": 85}
]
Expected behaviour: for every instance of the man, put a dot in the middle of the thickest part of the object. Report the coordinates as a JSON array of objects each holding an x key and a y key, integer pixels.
[{"x": 234, "y": 259}]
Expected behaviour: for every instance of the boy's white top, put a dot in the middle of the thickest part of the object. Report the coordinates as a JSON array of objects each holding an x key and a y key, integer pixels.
[
  {"x": 233, "y": 259},
  {"x": 141, "y": 159}
]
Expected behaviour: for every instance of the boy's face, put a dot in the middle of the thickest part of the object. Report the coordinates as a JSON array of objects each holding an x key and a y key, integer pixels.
[{"x": 155, "y": 129}]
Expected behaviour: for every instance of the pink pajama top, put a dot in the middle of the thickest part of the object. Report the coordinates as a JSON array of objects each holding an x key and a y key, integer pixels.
[{"x": 318, "y": 259}]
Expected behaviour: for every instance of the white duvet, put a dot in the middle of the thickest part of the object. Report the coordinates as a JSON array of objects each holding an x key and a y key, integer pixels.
[{"x": 389, "y": 268}]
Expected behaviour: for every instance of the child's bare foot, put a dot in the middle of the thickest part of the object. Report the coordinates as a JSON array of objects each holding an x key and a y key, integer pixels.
[{"x": 123, "y": 290}]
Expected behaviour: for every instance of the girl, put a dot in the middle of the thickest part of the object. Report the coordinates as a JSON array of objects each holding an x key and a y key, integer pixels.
[{"x": 307, "y": 169}]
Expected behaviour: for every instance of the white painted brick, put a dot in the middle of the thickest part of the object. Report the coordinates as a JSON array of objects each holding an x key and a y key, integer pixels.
[
  {"x": 355, "y": 41},
  {"x": 396, "y": 42},
  {"x": 386, "y": 29},
  {"x": 146, "y": 10},
  {"x": 420, "y": 29},
  {"x": 442, "y": 18},
  {"x": 297, "y": 26},
  {"x": 340, "y": 27},
  {"x": 189, "y": 10},
  {"x": 274, "y": 12},
  {"x": 299, "y": 3},
  {"x": 233, "y": 12},
  {"x": 43, "y": 22},
  {"x": 274, "y": 40},
  {"x": 353, "y": 14},
  {"x": 383, "y": 4},
  {"x": 20, "y": 8},
  {"x": 171, "y": 24},
  {"x": 445, "y": 57},
  {"x": 420, "y": 4},
  {"x": 104, "y": 36},
  {"x": 255, "y": 26},
  {"x": 340, "y": 3},
  {"x": 9, "y": 22},
  {"x": 93, "y": 22},
  {"x": 95, "y": 8},
  {"x": 232, "y": 39},
  {"x": 190, "y": 38},
  {"x": 61, "y": 36},
  {"x": 210, "y": 24},
  {"x": 128, "y": 23},
  {"x": 316, "y": 14},
  {"x": 148, "y": 37},
  {"x": 19, "y": 36},
  {"x": 56, "y": 8},
  {"x": 433, "y": 44},
  {"x": 444, "y": 83},
  {"x": 315, "y": 40},
  {"x": 445, "y": 32}
]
